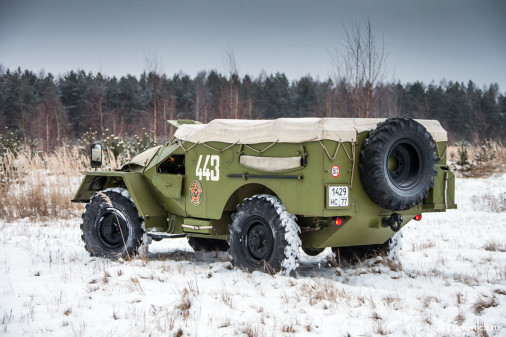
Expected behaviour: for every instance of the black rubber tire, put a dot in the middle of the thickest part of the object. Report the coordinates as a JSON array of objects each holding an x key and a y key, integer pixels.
[
  {"x": 102, "y": 221},
  {"x": 209, "y": 245},
  {"x": 398, "y": 164},
  {"x": 257, "y": 235}
]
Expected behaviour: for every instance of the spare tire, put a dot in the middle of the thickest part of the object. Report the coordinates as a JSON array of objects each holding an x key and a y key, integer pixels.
[{"x": 398, "y": 164}]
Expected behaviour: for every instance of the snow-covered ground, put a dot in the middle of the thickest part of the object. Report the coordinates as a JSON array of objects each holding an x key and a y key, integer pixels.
[{"x": 451, "y": 281}]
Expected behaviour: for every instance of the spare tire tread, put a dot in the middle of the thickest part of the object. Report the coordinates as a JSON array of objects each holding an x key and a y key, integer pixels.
[{"x": 374, "y": 173}]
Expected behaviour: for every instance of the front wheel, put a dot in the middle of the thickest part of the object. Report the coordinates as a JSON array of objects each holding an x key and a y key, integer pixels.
[
  {"x": 111, "y": 225},
  {"x": 264, "y": 236}
]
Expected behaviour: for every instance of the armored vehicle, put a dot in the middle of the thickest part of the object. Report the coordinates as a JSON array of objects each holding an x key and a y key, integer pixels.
[{"x": 262, "y": 189}]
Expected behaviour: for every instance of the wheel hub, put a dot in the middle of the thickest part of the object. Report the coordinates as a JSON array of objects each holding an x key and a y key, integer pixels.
[
  {"x": 258, "y": 241},
  {"x": 111, "y": 229},
  {"x": 404, "y": 165}
]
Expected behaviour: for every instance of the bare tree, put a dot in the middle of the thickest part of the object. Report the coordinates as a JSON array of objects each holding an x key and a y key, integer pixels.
[
  {"x": 200, "y": 95},
  {"x": 233, "y": 94},
  {"x": 96, "y": 98},
  {"x": 153, "y": 66},
  {"x": 360, "y": 65}
]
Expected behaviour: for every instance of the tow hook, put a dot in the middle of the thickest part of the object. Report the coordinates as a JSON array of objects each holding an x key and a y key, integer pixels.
[{"x": 394, "y": 221}]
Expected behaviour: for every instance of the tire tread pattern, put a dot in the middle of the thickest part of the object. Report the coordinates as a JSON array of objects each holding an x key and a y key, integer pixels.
[
  {"x": 119, "y": 200},
  {"x": 372, "y": 170}
]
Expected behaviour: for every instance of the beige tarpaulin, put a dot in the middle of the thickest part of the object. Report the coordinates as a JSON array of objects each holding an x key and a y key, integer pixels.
[
  {"x": 142, "y": 158},
  {"x": 289, "y": 130},
  {"x": 271, "y": 164}
]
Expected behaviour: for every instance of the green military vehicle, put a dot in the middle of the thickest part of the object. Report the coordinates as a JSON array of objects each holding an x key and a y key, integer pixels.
[{"x": 262, "y": 189}]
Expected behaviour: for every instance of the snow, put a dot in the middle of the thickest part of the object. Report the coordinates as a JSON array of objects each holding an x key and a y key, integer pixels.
[
  {"x": 445, "y": 283},
  {"x": 292, "y": 230},
  {"x": 395, "y": 246}
]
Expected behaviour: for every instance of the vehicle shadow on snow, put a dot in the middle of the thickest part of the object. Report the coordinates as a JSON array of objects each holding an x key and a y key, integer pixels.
[
  {"x": 323, "y": 265},
  {"x": 190, "y": 256}
]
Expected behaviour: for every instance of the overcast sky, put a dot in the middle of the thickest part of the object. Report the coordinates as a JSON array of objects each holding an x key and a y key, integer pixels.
[{"x": 426, "y": 40}]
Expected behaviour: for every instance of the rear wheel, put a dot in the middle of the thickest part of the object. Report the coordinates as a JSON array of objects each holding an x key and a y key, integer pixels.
[
  {"x": 264, "y": 236},
  {"x": 111, "y": 225}
]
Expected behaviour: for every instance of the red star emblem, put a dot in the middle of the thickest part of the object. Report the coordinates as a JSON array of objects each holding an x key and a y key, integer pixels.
[{"x": 196, "y": 193}]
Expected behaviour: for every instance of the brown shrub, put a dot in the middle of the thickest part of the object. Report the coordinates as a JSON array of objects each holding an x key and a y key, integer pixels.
[{"x": 38, "y": 185}]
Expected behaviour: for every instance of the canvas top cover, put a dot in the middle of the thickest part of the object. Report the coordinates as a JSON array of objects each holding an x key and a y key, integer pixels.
[{"x": 289, "y": 130}]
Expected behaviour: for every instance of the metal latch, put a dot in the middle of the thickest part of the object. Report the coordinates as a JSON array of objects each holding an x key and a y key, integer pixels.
[
  {"x": 445, "y": 188},
  {"x": 194, "y": 227}
]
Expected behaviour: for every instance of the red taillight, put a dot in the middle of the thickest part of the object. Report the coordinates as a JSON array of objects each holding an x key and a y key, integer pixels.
[
  {"x": 418, "y": 217},
  {"x": 338, "y": 221}
]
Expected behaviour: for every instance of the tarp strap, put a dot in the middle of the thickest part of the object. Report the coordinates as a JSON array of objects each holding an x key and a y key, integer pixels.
[
  {"x": 352, "y": 157},
  {"x": 352, "y": 164},
  {"x": 218, "y": 150},
  {"x": 440, "y": 156},
  {"x": 208, "y": 146},
  {"x": 188, "y": 149},
  {"x": 337, "y": 149},
  {"x": 261, "y": 151}
]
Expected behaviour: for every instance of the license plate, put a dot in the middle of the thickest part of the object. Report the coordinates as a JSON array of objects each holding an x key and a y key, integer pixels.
[{"x": 338, "y": 196}]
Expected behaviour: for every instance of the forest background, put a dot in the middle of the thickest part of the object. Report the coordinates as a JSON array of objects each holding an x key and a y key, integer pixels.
[{"x": 48, "y": 111}]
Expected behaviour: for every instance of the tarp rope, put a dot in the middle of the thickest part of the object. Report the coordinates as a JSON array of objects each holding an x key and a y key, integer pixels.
[
  {"x": 440, "y": 156},
  {"x": 351, "y": 158},
  {"x": 180, "y": 143}
]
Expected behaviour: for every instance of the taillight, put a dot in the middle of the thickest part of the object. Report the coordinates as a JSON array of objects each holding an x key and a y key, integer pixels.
[
  {"x": 337, "y": 221},
  {"x": 418, "y": 217}
]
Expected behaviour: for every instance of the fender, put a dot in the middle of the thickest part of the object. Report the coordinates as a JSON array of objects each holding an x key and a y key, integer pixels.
[{"x": 142, "y": 195}]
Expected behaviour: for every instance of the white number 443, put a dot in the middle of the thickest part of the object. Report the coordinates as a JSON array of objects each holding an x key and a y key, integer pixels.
[{"x": 211, "y": 169}]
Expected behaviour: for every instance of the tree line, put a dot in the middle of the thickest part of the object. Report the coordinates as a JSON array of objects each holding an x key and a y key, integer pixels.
[{"x": 58, "y": 110}]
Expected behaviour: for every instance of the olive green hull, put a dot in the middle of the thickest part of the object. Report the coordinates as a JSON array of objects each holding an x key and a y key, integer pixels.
[{"x": 167, "y": 204}]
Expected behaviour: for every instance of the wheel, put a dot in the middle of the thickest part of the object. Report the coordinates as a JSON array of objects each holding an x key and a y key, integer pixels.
[
  {"x": 398, "y": 164},
  {"x": 264, "y": 236},
  {"x": 356, "y": 254},
  {"x": 112, "y": 226},
  {"x": 210, "y": 245},
  {"x": 312, "y": 251}
]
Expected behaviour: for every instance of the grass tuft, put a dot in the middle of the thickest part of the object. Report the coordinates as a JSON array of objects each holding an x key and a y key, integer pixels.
[{"x": 483, "y": 303}]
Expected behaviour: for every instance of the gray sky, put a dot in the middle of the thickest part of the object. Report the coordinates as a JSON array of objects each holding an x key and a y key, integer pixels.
[{"x": 426, "y": 40}]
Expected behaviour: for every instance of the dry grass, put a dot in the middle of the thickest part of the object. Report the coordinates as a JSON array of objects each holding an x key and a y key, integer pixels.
[
  {"x": 317, "y": 292},
  {"x": 37, "y": 185},
  {"x": 185, "y": 303},
  {"x": 495, "y": 246},
  {"x": 252, "y": 331},
  {"x": 380, "y": 329},
  {"x": 226, "y": 297},
  {"x": 288, "y": 329},
  {"x": 481, "y": 168},
  {"x": 484, "y": 302},
  {"x": 489, "y": 202}
]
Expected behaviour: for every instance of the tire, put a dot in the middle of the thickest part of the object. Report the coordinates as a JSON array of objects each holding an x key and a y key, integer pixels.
[
  {"x": 398, "y": 164},
  {"x": 357, "y": 254},
  {"x": 209, "y": 245},
  {"x": 112, "y": 226},
  {"x": 264, "y": 236}
]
